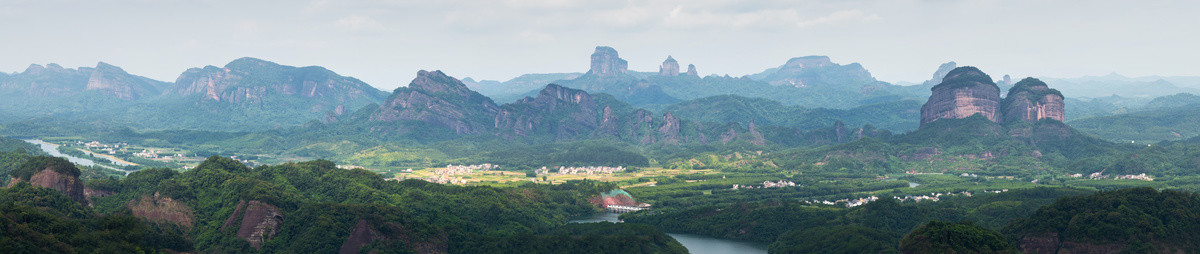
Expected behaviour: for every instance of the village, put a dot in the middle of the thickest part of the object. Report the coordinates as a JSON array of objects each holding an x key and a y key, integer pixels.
[{"x": 931, "y": 197}]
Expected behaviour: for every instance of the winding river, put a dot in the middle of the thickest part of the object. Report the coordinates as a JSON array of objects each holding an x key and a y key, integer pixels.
[
  {"x": 52, "y": 149},
  {"x": 695, "y": 244}
]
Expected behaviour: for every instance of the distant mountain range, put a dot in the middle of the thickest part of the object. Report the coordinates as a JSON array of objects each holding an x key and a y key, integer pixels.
[
  {"x": 247, "y": 94},
  {"x": 804, "y": 93}
]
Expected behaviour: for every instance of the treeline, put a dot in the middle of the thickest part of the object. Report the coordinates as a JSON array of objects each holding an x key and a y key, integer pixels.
[{"x": 320, "y": 208}]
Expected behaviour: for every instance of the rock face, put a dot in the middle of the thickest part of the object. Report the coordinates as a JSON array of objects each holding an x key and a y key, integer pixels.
[
  {"x": 116, "y": 82},
  {"x": 669, "y": 68},
  {"x": 819, "y": 71},
  {"x": 440, "y": 100},
  {"x": 941, "y": 73},
  {"x": 53, "y": 80},
  {"x": 606, "y": 63},
  {"x": 965, "y": 91},
  {"x": 250, "y": 81},
  {"x": 162, "y": 209},
  {"x": 361, "y": 235},
  {"x": 49, "y": 178},
  {"x": 257, "y": 222},
  {"x": 1031, "y": 100},
  {"x": 580, "y": 114},
  {"x": 692, "y": 71}
]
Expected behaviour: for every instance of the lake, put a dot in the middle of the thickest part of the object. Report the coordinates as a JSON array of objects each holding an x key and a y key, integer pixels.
[{"x": 695, "y": 244}]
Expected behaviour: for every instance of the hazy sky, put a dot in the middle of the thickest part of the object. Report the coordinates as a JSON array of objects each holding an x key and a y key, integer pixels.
[{"x": 385, "y": 42}]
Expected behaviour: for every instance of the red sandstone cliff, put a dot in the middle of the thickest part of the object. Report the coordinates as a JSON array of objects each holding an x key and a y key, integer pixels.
[
  {"x": 257, "y": 222},
  {"x": 1031, "y": 100},
  {"x": 964, "y": 92},
  {"x": 162, "y": 209}
]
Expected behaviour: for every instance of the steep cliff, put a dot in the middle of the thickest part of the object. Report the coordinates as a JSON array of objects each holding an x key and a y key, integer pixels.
[
  {"x": 609, "y": 74},
  {"x": 162, "y": 209},
  {"x": 606, "y": 63},
  {"x": 564, "y": 112},
  {"x": 1031, "y": 100},
  {"x": 114, "y": 81},
  {"x": 53, "y": 173},
  {"x": 250, "y": 81},
  {"x": 440, "y": 100},
  {"x": 669, "y": 68},
  {"x": 256, "y": 222},
  {"x": 820, "y": 71},
  {"x": 941, "y": 73},
  {"x": 965, "y": 91},
  {"x": 691, "y": 71}
]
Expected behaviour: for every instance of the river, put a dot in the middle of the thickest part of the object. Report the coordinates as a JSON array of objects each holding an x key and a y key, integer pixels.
[
  {"x": 696, "y": 244},
  {"x": 52, "y": 149}
]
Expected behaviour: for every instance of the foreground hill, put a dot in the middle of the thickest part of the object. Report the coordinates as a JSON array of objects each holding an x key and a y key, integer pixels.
[{"x": 312, "y": 207}]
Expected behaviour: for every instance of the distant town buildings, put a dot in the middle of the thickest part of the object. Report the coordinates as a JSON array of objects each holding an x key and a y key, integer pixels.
[
  {"x": 589, "y": 170},
  {"x": 766, "y": 184}
]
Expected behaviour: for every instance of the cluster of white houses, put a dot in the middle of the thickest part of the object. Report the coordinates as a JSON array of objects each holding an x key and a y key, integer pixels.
[
  {"x": 766, "y": 184},
  {"x": 1100, "y": 175},
  {"x": 590, "y": 170},
  {"x": 463, "y": 169},
  {"x": 932, "y": 197}
]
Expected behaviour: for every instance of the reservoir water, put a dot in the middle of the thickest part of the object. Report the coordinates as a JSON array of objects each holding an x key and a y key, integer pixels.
[
  {"x": 52, "y": 149},
  {"x": 696, "y": 244}
]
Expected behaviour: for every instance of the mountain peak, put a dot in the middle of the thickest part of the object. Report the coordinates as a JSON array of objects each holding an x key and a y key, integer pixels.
[
  {"x": 669, "y": 67},
  {"x": 607, "y": 63},
  {"x": 807, "y": 61},
  {"x": 248, "y": 62}
]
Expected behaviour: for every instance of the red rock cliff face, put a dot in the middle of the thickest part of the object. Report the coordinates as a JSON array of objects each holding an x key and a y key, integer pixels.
[
  {"x": 257, "y": 222},
  {"x": 1031, "y": 100},
  {"x": 51, "y": 179},
  {"x": 964, "y": 92},
  {"x": 163, "y": 210}
]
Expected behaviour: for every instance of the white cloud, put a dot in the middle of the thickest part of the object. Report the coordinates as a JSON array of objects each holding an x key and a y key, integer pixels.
[
  {"x": 840, "y": 16},
  {"x": 358, "y": 23}
]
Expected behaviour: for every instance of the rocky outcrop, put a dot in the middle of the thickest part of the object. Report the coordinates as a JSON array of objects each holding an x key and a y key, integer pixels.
[
  {"x": 69, "y": 185},
  {"x": 162, "y": 209},
  {"x": 941, "y": 73},
  {"x": 691, "y": 71},
  {"x": 579, "y": 114},
  {"x": 757, "y": 137},
  {"x": 819, "y": 71},
  {"x": 440, "y": 100},
  {"x": 116, "y": 82},
  {"x": 51, "y": 80},
  {"x": 255, "y": 81},
  {"x": 606, "y": 63},
  {"x": 1031, "y": 100},
  {"x": 361, "y": 235},
  {"x": 256, "y": 221},
  {"x": 965, "y": 91},
  {"x": 669, "y": 129},
  {"x": 669, "y": 68}
]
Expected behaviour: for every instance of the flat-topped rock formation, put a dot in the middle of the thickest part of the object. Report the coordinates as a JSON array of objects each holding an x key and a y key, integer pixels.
[{"x": 965, "y": 91}]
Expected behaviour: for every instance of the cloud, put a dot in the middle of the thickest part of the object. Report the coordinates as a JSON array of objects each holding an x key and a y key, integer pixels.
[
  {"x": 358, "y": 23},
  {"x": 838, "y": 17}
]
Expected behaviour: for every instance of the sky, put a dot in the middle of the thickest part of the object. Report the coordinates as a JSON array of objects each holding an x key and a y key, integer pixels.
[{"x": 385, "y": 42}]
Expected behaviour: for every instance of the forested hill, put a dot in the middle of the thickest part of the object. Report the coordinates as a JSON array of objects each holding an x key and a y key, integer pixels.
[{"x": 308, "y": 207}]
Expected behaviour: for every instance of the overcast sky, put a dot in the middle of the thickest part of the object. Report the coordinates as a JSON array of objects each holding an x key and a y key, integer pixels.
[{"x": 385, "y": 42}]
